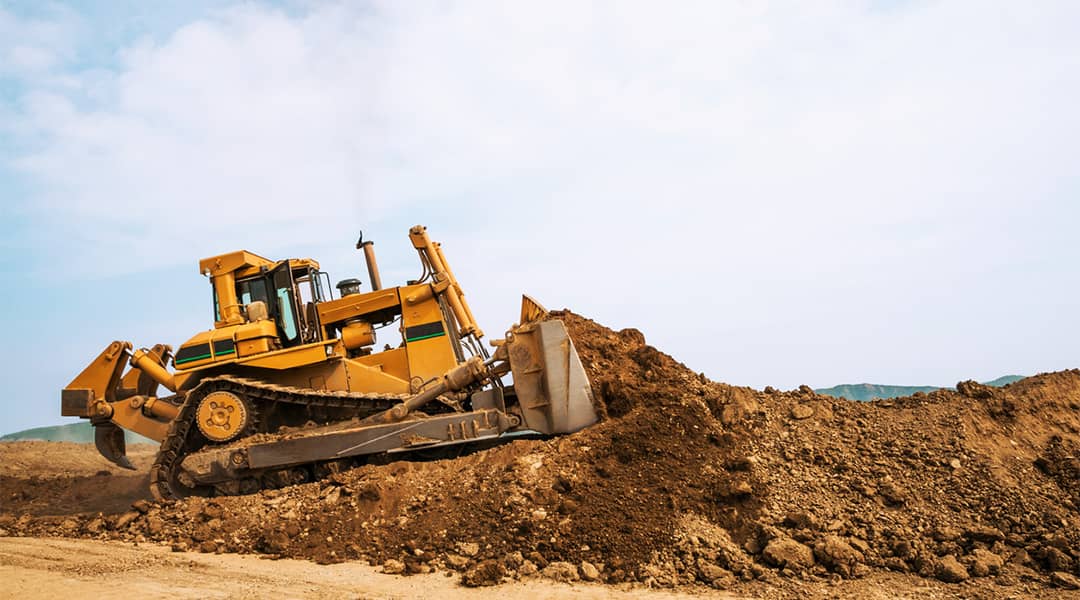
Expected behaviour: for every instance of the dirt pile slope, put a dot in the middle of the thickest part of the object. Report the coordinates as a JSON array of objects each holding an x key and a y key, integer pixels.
[
  {"x": 64, "y": 478},
  {"x": 689, "y": 481}
]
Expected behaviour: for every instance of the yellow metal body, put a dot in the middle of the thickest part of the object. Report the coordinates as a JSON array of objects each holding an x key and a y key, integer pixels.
[
  {"x": 432, "y": 254},
  {"x": 419, "y": 326},
  {"x": 221, "y": 416},
  {"x": 325, "y": 364},
  {"x": 223, "y": 271}
]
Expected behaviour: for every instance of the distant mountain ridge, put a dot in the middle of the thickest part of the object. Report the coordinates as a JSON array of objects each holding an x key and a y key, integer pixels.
[{"x": 870, "y": 391}]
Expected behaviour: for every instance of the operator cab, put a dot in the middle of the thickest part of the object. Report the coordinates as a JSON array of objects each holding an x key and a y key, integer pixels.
[
  {"x": 259, "y": 306},
  {"x": 290, "y": 292}
]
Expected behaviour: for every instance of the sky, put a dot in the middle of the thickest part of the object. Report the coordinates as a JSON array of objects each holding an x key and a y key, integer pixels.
[{"x": 774, "y": 193}]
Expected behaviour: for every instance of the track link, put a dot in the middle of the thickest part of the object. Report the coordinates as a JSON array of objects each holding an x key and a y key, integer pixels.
[{"x": 183, "y": 437}]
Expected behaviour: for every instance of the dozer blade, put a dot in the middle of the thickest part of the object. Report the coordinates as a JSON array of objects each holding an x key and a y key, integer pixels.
[
  {"x": 109, "y": 440},
  {"x": 551, "y": 384}
]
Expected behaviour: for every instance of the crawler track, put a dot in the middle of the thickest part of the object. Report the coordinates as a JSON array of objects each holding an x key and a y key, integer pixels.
[{"x": 167, "y": 479}]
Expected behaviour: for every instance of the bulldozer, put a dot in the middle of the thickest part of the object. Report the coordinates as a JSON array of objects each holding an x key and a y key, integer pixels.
[{"x": 289, "y": 385}]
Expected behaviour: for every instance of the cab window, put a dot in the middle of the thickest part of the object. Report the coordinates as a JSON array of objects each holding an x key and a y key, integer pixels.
[
  {"x": 288, "y": 323},
  {"x": 250, "y": 290},
  {"x": 283, "y": 292}
]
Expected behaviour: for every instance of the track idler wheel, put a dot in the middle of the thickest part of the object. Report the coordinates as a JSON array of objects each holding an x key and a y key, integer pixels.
[{"x": 223, "y": 416}]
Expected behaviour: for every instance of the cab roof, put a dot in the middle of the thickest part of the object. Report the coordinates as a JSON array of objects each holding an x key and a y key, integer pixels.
[{"x": 243, "y": 263}]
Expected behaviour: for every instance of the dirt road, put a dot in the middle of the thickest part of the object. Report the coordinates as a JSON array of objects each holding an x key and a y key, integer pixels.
[{"x": 54, "y": 568}]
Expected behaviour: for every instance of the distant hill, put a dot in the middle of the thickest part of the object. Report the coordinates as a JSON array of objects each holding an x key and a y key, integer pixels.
[
  {"x": 870, "y": 391},
  {"x": 1004, "y": 381},
  {"x": 80, "y": 433}
]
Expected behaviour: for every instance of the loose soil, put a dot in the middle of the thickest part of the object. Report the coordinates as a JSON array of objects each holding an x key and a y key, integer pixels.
[
  {"x": 109, "y": 570},
  {"x": 63, "y": 478},
  {"x": 686, "y": 483}
]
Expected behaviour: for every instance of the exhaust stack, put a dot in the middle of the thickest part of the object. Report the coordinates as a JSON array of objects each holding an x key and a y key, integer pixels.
[{"x": 372, "y": 266}]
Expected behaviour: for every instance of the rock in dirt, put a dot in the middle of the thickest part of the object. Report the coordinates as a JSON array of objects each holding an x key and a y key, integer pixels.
[
  {"x": 561, "y": 571},
  {"x": 588, "y": 571},
  {"x": 469, "y": 548},
  {"x": 126, "y": 519},
  {"x": 456, "y": 560},
  {"x": 154, "y": 525},
  {"x": 973, "y": 389},
  {"x": 332, "y": 496},
  {"x": 716, "y": 576},
  {"x": 1065, "y": 580},
  {"x": 950, "y": 570},
  {"x": 787, "y": 553},
  {"x": 392, "y": 566},
  {"x": 528, "y": 568},
  {"x": 984, "y": 563},
  {"x": 275, "y": 541},
  {"x": 838, "y": 555},
  {"x": 1056, "y": 560},
  {"x": 513, "y": 560},
  {"x": 802, "y": 520},
  {"x": 211, "y": 510},
  {"x": 893, "y": 493},
  {"x": 485, "y": 573},
  {"x": 945, "y": 534},
  {"x": 985, "y": 534}
]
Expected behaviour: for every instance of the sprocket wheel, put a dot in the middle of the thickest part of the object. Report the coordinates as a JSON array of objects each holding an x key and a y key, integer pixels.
[{"x": 223, "y": 416}]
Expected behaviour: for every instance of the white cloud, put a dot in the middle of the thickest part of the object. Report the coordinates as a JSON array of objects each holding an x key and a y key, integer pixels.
[
  {"x": 717, "y": 173},
  {"x": 34, "y": 46}
]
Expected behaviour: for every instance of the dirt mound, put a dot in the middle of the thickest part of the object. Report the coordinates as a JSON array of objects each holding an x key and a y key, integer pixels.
[
  {"x": 25, "y": 459},
  {"x": 63, "y": 478},
  {"x": 689, "y": 481}
]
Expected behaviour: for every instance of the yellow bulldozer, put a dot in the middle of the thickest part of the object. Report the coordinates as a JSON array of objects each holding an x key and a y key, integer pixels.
[{"x": 290, "y": 385}]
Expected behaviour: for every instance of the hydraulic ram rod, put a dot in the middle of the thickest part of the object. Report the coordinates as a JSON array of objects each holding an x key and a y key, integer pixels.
[{"x": 465, "y": 374}]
